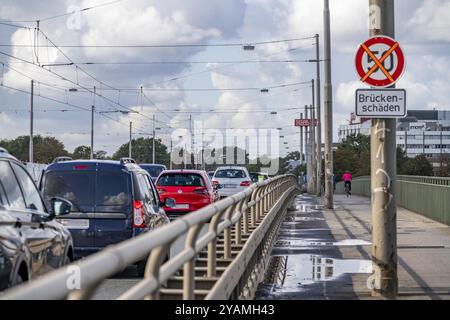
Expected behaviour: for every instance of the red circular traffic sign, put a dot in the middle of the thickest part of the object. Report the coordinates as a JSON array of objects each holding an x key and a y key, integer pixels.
[{"x": 380, "y": 61}]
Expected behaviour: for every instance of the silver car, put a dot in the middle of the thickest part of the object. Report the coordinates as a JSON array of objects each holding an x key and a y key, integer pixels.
[{"x": 231, "y": 180}]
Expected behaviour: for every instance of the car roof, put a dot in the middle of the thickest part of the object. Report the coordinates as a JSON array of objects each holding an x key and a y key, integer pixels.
[
  {"x": 188, "y": 171},
  {"x": 231, "y": 167},
  {"x": 97, "y": 164},
  {"x": 152, "y": 165},
  {"x": 6, "y": 155}
]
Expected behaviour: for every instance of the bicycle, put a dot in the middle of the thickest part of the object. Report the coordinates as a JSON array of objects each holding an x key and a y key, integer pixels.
[{"x": 347, "y": 190}]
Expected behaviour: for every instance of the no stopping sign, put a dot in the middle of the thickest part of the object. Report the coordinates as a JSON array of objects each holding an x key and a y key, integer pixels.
[{"x": 379, "y": 61}]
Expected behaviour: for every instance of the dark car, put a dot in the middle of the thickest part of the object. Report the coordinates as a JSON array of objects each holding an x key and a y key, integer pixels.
[
  {"x": 153, "y": 169},
  {"x": 32, "y": 242},
  {"x": 112, "y": 201}
]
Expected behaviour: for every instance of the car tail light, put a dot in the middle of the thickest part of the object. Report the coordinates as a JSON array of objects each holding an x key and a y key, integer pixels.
[
  {"x": 81, "y": 167},
  {"x": 245, "y": 183},
  {"x": 201, "y": 190},
  {"x": 161, "y": 190},
  {"x": 138, "y": 214}
]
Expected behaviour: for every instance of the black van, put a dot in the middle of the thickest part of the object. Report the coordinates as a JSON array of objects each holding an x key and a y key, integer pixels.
[{"x": 112, "y": 201}]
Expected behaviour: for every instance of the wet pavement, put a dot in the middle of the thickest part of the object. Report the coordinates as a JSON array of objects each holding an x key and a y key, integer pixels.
[
  {"x": 306, "y": 261},
  {"x": 325, "y": 254}
]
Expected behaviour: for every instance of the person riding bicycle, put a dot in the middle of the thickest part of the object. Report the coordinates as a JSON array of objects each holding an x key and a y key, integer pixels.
[{"x": 347, "y": 177}]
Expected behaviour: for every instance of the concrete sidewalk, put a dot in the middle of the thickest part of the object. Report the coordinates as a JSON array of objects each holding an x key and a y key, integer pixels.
[
  {"x": 325, "y": 254},
  {"x": 423, "y": 248}
]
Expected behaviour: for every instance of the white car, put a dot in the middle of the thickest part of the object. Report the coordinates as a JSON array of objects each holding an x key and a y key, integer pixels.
[{"x": 231, "y": 180}]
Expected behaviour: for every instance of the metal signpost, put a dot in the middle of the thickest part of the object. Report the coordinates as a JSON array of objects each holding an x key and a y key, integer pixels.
[{"x": 380, "y": 63}]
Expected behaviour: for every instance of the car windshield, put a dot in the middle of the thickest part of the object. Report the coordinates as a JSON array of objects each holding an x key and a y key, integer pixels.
[
  {"x": 230, "y": 173},
  {"x": 153, "y": 171},
  {"x": 181, "y": 179}
]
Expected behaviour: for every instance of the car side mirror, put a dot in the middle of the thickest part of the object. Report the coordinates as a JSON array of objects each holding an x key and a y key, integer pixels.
[
  {"x": 60, "y": 206},
  {"x": 169, "y": 202}
]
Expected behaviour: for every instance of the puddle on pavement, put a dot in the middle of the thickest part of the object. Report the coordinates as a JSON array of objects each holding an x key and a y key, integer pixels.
[
  {"x": 300, "y": 243},
  {"x": 296, "y": 273},
  {"x": 293, "y": 219}
]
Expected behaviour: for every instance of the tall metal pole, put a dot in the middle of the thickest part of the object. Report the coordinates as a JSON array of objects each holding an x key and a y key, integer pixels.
[
  {"x": 153, "y": 147},
  {"x": 319, "y": 121},
  {"x": 301, "y": 141},
  {"x": 129, "y": 144},
  {"x": 313, "y": 141},
  {"x": 92, "y": 126},
  {"x": 307, "y": 150},
  {"x": 31, "y": 147},
  {"x": 191, "y": 156},
  {"x": 92, "y": 132},
  {"x": 383, "y": 176},
  {"x": 170, "y": 153},
  {"x": 328, "y": 109}
]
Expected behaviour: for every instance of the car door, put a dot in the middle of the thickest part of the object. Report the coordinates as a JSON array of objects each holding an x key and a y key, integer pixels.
[
  {"x": 158, "y": 216},
  {"x": 48, "y": 241}
]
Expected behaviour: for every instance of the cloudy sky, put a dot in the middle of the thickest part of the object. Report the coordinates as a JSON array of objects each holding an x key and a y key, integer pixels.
[{"x": 184, "y": 53}]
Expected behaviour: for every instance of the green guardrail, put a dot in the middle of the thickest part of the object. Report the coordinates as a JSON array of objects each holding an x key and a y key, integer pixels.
[{"x": 429, "y": 196}]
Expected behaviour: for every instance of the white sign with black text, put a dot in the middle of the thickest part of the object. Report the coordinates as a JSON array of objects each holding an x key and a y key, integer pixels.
[{"x": 381, "y": 103}]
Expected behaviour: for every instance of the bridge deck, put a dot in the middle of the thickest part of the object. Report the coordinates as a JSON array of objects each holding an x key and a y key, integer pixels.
[{"x": 325, "y": 254}]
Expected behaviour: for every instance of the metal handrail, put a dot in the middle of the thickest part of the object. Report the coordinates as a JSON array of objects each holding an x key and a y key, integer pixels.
[{"x": 240, "y": 214}]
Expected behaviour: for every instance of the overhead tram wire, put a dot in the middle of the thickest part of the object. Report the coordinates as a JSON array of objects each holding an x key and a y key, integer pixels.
[
  {"x": 62, "y": 14},
  {"x": 66, "y": 103},
  {"x": 99, "y": 81},
  {"x": 240, "y": 44}
]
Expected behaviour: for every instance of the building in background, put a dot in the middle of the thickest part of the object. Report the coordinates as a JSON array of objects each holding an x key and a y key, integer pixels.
[{"x": 420, "y": 132}]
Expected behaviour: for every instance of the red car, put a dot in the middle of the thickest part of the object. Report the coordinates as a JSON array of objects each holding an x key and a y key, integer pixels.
[{"x": 191, "y": 189}]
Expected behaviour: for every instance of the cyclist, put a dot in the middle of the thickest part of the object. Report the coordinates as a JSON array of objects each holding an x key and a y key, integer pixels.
[{"x": 347, "y": 177}]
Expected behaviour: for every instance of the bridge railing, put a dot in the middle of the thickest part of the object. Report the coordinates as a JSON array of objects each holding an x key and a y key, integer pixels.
[
  {"x": 240, "y": 232},
  {"x": 429, "y": 196}
]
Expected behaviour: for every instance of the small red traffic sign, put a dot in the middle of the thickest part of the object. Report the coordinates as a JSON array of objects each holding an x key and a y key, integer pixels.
[
  {"x": 380, "y": 61},
  {"x": 304, "y": 122}
]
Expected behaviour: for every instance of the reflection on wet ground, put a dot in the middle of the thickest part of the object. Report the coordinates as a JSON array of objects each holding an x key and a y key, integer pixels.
[{"x": 306, "y": 262}]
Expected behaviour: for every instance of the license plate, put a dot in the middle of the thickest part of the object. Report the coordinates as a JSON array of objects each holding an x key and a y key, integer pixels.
[
  {"x": 230, "y": 185},
  {"x": 75, "y": 223},
  {"x": 182, "y": 206}
]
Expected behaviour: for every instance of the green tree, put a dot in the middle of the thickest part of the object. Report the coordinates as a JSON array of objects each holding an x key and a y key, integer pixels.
[
  {"x": 45, "y": 149},
  {"x": 418, "y": 166},
  {"x": 141, "y": 151},
  {"x": 353, "y": 154},
  {"x": 81, "y": 152},
  {"x": 84, "y": 152},
  {"x": 402, "y": 159}
]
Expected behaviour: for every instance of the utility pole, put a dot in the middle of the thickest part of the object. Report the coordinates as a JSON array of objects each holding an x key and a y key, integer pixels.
[
  {"x": 313, "y": 141},
  {"x": 171, "y": 153},
  {"x": 301, "y": 140},
  {"x": 31, "y": 149},
  {"x": 328, "y": 109},
  {"x": 191, "y": 156},
  {"x": 307, "y": 150},
  {"x": 383, "y": 176},
  {"x": 153, "y": 147},
  {"x": 92, "y": 126},
  {"x": 319, "y": 121},
  {"x": 129, "y": 144}
]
